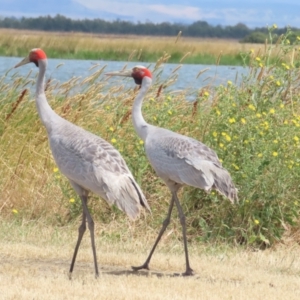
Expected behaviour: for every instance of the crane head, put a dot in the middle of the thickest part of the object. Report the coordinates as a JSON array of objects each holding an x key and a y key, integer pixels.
[
  {"x": 137, "y": 73},
  {"x": 34, "y": 56}
]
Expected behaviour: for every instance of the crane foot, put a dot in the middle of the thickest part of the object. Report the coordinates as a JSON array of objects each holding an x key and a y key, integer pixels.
[{"x": 144, "y": 266}]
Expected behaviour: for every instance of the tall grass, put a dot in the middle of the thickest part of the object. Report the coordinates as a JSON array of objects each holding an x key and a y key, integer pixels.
[
  {"x": 253, "y": 127},
  {"x": 135, "y": 48}
]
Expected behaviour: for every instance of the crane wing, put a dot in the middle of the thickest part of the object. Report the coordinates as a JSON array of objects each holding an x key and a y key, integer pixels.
[
  {"x": 187, "y": 161},
  {"x": 96, "y": 165}
]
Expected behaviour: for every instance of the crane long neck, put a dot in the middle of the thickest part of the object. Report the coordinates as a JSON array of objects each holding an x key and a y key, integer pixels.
[
  {"x": 140, "y": 125},
  {"x": 47, "y": 115}
]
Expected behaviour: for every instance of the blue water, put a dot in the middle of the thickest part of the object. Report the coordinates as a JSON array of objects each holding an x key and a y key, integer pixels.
[{"x": 186, "y": 75}]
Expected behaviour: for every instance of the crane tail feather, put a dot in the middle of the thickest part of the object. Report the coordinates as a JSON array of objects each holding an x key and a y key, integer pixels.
[
  {"x": 128, "y": 197},
  {"x": 224, "y": 185}
]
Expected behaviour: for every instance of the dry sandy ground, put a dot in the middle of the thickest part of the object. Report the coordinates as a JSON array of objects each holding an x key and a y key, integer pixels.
[{"x": 35, "y": 266}]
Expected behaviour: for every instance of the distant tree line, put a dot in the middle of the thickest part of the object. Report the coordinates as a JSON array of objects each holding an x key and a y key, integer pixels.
[{"x": 197, "y": 29}]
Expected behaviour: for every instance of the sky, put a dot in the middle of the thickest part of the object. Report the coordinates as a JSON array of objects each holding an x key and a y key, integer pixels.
[{"x": 253, "y": 13}]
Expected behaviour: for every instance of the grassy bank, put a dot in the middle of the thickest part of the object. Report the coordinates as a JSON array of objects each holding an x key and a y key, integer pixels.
[
  {"x": 120, "y": 48},
  {"x": 35, "y": 258},
  {"x": 253, "y": 127}
]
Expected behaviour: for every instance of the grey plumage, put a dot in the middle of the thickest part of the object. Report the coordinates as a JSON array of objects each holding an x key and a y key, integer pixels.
[
  {"x": 95, "y": 165},
  {"x": 177, "y": 159},
  {"x": 186, "y": 161},
  {"x": 89, "y": 162}
]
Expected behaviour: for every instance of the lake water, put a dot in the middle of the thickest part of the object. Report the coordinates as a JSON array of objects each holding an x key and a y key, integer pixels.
[{"x": 215, "y": 75}]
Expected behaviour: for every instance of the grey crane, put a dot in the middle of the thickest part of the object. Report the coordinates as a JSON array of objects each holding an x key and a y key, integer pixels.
[
  {"x": 177, "y": 159},
  {"x": 89, "y": 162}
]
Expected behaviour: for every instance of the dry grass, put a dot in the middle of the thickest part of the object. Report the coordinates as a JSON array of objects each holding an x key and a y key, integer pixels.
[
  {"x": 35, "y": 266},
  {"x": 58, "y": 44}
]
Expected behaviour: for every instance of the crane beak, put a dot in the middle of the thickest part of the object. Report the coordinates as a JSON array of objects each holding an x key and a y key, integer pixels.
[
  {"x": 25, "y": 61},
  {"x": 125, "y": 73}
]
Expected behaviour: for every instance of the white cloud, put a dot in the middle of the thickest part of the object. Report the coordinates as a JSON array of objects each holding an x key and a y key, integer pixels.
[{"x": 177, "y": 11}]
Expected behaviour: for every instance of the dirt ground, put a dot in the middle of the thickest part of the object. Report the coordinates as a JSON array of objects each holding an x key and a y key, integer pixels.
[{"x": 35, "y": 264}]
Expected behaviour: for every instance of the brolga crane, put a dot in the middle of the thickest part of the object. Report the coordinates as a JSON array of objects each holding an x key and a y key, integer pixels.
[
  {"x": 89, "y": 162},
  {"x": 177, "y": 159}
]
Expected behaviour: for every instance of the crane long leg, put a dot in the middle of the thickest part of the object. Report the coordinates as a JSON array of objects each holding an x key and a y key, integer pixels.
[
  {"x": 81, "y": 231},
  {"x": 166, "y": 222},
  {"x": 91, "y": 228},
  {"x": 189, "y": 270}
]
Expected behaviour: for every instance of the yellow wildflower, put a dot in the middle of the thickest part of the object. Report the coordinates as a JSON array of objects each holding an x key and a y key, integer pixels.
[
  {"x": 72, "y": 200},
  {"x": 275, "y": 153},
  {"x": 170, "y": 112},
  {"x": 154, "y": 118},
  {"x": 274, "y": 26},
  {"x": 275, "y": 142},
  {"x": 231, "y": 120},
  {"x": 169, "y": 98},
  {"x": 256, "y": 221},
  {"x": 251, "y": 106},
  {"x": 235, "y": 166},
  {"x": 221, "y": 160},
  {"x": 243, "y": 121},
  {"x": 215, "y": 134},
  {"x": 221, "y": 145},
  {"x": 281, "y": 105},
  {"x": 228, "y": 138},
  {"x": 296, "y": 139},
  {"x": 278, "y": 83},
  {"x": 141, "y": 142},
  {"x": 206, "y": 94},
  {"x": 218, "y": 112},
  {"x": 113, "y": 140},
  {"x": 272, "y": 111},
  {"x": 55, "y": 170},
  {"x": 107, "y": 107},
  {"x": 258, "y": 115},
  {"x": 257, "y": 58},
  {"x": 229, "y": 82},
  {"x": 259, "y": 155},
  {"x": 111, "y": 129},
  {"x": 14, "y": 211},
  {"x": 261, "y": 64}
]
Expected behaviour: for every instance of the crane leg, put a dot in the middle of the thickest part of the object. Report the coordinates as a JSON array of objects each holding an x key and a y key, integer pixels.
[
  {"x": 166, "y": 222},
  {"x": 90, "y": 222},
  {"x": 81, "y": 231},
  {"x": 188, "y": 271}
]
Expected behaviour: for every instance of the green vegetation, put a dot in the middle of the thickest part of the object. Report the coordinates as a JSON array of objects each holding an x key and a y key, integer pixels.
[
  {"x": 119, "y": 48},
  {"x": 253, "y": 127},
  {"x": 197, "y": 29}
]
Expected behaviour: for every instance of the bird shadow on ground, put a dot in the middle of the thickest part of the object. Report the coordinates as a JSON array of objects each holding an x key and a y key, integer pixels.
[
  {"x": 121, "y": 272},
  {"x": 52, "y": 266}
]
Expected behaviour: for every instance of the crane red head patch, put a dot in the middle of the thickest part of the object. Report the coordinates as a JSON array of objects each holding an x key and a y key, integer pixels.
[
  {"x": 139, "y": 72},
  {"x": 36, "y": 54}
]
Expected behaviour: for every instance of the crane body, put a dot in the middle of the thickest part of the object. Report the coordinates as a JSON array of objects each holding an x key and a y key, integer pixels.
[
  {"x": 177, "y": 159},
  {"x": 88, "y": 161}
]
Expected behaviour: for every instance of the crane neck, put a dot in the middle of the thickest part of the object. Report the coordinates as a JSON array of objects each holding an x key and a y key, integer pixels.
[
  {"x": 46, "y": 114},
  {"x": 140, "y": 125}
]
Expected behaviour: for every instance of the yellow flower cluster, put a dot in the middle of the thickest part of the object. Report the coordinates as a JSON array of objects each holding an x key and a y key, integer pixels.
[
  {"x": 226, "y": 136},
  {"x": 251, "y": 106}
]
